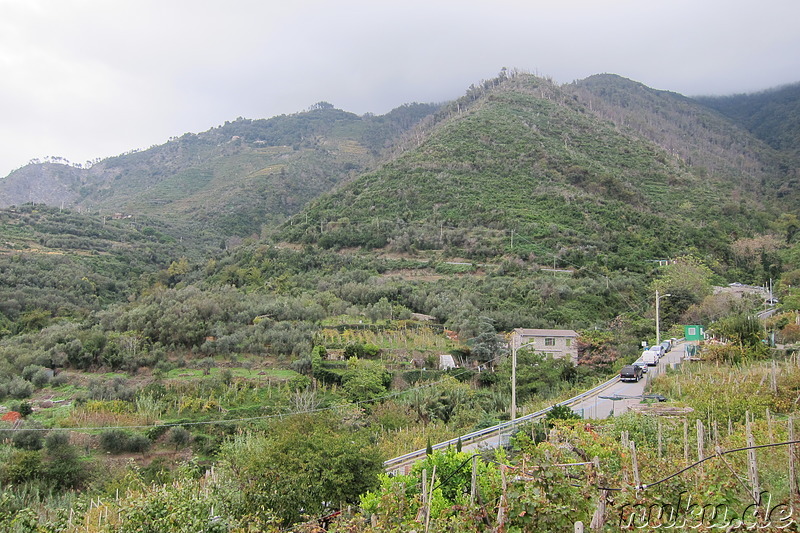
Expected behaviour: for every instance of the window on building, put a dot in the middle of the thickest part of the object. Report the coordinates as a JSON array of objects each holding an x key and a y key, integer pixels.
[
  {"x": 549, "y": 341},
  {"x": 569, "y": 342}
]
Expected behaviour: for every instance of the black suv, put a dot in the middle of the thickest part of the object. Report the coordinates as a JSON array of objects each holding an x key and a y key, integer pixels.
[{"x": 630, "y": 373}]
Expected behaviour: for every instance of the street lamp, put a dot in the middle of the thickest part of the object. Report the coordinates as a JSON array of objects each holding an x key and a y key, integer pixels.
[
  {"x": 514, "y": 349},
  {"x": 658, "y": 328}
]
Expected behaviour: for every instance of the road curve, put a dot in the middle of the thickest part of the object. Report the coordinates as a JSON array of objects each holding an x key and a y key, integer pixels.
[{"x": 594, "y": 403}]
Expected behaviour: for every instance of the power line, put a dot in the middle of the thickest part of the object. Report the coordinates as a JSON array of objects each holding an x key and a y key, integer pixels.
[
  {"x": 254, "y": 418},
  {"x": 644, "y": 486}
]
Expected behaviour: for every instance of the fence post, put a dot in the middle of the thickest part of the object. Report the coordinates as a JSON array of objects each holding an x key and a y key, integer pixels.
[
  {"x": 599, "y": 517},
  {"x": 635, "y": 463},
  {"x": 792, "y": 459},
  {"x": 752, "y": 466}
]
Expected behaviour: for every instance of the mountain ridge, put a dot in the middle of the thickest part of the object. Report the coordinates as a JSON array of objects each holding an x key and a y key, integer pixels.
[
  {"x": 248, "y": 176},
  {"x": 528, "y": 157},
  {"x": 233, "y": 178}
]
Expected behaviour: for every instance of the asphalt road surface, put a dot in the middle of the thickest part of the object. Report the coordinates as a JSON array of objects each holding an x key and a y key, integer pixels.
[
  {"x": 599, "y": 405},
  {"x": 627, "y": 392}
]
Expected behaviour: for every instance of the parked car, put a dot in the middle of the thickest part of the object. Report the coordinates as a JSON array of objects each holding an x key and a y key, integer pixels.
[
  {"x": 659, "y": 349},
  {"x": 642, "y": 365},
  {"x": 630, "y": 373},
  {"x": 650, "y": 357},
  {"x": 667, "y": 346}
]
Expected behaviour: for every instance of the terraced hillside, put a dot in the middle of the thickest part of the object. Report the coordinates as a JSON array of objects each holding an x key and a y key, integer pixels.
[
  {"x": 521, "y": 166},
  {"x": 229, "y": 180}
]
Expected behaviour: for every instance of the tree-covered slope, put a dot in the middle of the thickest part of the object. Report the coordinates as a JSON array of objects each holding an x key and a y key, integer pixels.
[
  {"x": 520, "y": 156},
  {"x": 773, "y": 116},
  {"x": 715, "y": 146},
  {"x": 56, "y": 264},
  {"x": 230, "y": 180}
]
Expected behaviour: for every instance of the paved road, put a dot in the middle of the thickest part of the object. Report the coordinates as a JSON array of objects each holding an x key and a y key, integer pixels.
[
  {"x": 600, "y": 407},
  {"x": 593, "y": 406},
  {"x": 630, "y": 392}
]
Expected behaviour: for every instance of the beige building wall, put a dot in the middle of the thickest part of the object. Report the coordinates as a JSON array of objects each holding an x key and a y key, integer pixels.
[{"x": 558, "y": 343}]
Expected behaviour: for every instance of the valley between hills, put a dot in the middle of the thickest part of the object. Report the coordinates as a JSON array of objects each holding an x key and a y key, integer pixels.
[{"x": 233, "y": 331}]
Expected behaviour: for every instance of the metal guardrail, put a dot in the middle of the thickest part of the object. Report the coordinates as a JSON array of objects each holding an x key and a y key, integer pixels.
[{"x": 485, "y": 433}]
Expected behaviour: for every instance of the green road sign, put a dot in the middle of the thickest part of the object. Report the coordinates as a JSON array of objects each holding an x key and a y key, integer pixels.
[{"x": 694, "y": 333}]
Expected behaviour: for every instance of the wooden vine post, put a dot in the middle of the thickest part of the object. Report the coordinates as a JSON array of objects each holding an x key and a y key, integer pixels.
[
  {"x": 769, "y": 427},
  {"x": 625, "y": 445},
  {"x": 430, "y": 497},
  {"x": 792, "y": 461},
  {"x": 686, "y": 441},
  {"x": 501, "y": 509},
  {"x": 752, "y": 466},
  {"x": 635, "y": 462},
  {"x": 701, "y": 445},
  {"x": 599, "y": 517},
  {"x": 474, "y": 486}
]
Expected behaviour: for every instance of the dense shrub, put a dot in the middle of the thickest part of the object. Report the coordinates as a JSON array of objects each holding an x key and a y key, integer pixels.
[
  {"x": 27, "y": 439},
  {"x": 118, "y": 441}
]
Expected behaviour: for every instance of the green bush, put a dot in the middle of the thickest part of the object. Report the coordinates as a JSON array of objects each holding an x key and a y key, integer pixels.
[
  {"x": 179, "y": 437},
  {"x": 19, "y": 388},
  {"x": 27, "y": 439},
  {"x": 118, "y": 441},
  {"x": 21, "y": 466},
  {"x": 113, "y": 441}
]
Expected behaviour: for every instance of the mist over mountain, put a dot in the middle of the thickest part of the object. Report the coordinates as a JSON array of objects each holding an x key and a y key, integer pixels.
[
  {"x": 230, "y": 180},
  {"x": 773, "y": 115},
  {"x": 565, "y": 167},
  {"x": 603, "y": 168}
]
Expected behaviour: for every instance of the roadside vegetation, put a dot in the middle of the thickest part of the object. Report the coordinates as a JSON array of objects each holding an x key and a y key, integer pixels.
[
  {"x": 211, "y": 359},
  {"x": 157, "y": 378}
]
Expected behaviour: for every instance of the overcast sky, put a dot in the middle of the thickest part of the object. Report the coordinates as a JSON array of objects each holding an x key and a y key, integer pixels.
[{"x": 93, "y": 78}]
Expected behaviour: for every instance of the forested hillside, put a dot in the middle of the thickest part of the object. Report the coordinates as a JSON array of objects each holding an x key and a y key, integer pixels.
[
  {"x": 521, "y": 157},
  {"x": 228, "y": 181},
  {"x": 230, "y": 332},
  {"x": 711, "y": 146},
  {"x": 773, "y": 115},
  {"x": 57, "y": 264}
]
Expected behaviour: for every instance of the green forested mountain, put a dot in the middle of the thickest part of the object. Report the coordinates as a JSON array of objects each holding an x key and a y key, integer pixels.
[
  {"x": 158, "y": 374},
  {"x": 521, "y": 156},
  {"x": 230, "y": 180},
  {"x": 773, "y": 115}
]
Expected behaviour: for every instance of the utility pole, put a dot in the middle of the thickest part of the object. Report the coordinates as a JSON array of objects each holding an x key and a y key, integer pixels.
[
  {"x": 514, "y": 349},
  {"x": 658, "y": 326},
  {"x": 513, "y": 380}
]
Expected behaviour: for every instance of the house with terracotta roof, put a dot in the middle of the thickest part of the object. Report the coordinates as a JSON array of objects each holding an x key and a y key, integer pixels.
[{"x": 557, "y": 343}]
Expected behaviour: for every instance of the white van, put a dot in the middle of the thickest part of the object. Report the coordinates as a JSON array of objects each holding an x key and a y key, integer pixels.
[{"x": 650, "y": 357}]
